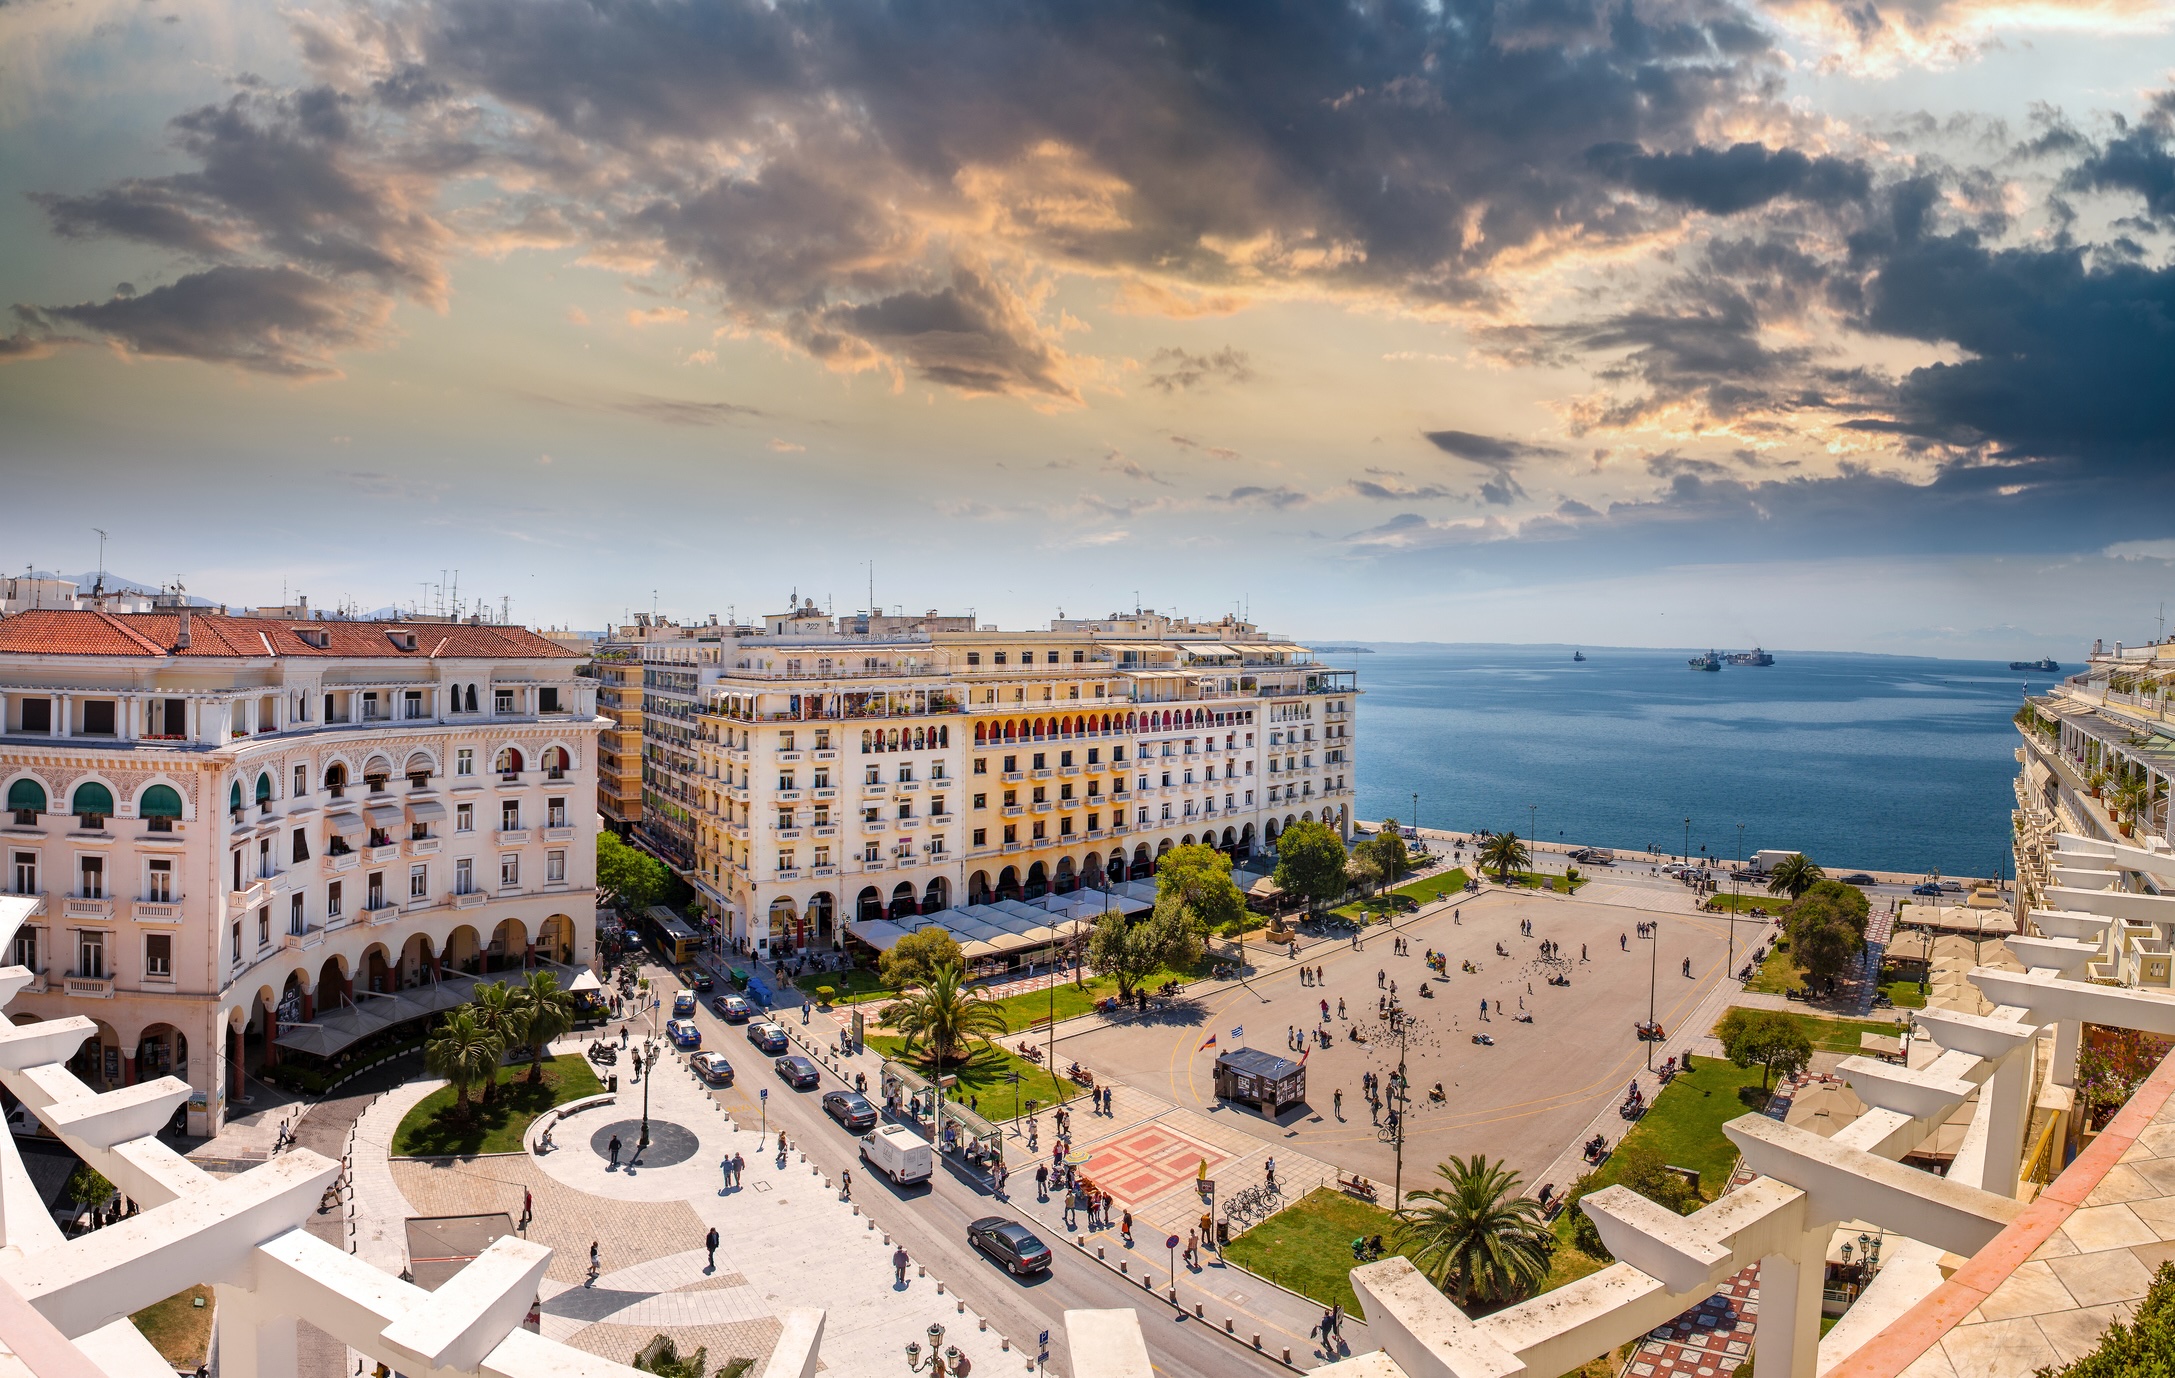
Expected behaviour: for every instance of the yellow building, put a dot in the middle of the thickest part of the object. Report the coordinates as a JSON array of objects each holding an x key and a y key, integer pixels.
[
  {"x": 848, "y": 777},
  {"x": 619, "y": 746}
]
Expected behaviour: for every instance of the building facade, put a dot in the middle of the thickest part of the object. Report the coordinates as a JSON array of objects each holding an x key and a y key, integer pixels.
[
  {"x": 847, "y": 776},
  {"x": 238, "y": 825}
]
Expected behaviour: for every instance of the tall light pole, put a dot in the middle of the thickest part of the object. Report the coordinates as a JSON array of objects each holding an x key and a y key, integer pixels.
[
  {"x": 1400, "y": 1099},
  {"x": 1653, "y": 971}
]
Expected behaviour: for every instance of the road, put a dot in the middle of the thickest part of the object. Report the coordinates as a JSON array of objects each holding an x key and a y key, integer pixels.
[{"x": 932, "y": 1224}]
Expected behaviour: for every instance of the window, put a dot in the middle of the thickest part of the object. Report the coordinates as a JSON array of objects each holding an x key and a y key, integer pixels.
[
  {"x": 509, "y": 815},
  {"x": 1117, "y": 756},
  {"x": 464, "y": 877},
  {"x": 375, "y": 898},
  {"x": 1095, "y": 822},
  {"x": 981, "y": 837},
  {"x": 332, "y": 900},
  {"x": 264, "y": 926},
  {"x": 785, "y": 818},
  {"x": 823, "y": 857},
  {"x": 1051, "y": 658},
  {"x": 502, "y": 700},
  {"x": 26, "y": 873},
  {"x": 906, "y": 773},
  {"x": 159, "y": 883},
  {"x": 872, "y": 778},
  {"x": 1064, "y": 827},
  {"x": 464, "y": 761},
  {"x": 822, "y": 780},
  {"x": 936, "y": 770},
  {"x": 1041, "y": 761},
  {"x": 295, "y": 922},
  {"x": 158, "y": 954},
  {"x": 906, "y": 808},
  {"x": 464, "y": 818},
  {"x": 981, "y": 801},
  {"x": 301, "y": 848},
  {"x": 785, "y": 780},
  {"x": 823, "y": 739},
  {"x": 37, "y": 715},
  {"x": 91, "y": 953},
  {"x": 785, "y": 741},
  {"x": 555, "y": 867},
  {"x": 1011, "y": 798},
  {"x": 1042, "y": 794},
  {"x": 547, "y": 700},
  {"x": 823, "y": 815},
  {"x": 94, "y": 878},
  {"x": 981, "y": 765},
  {"x": 936, "y": 806},
  {"x": 998, "y": 658},
  {"x": 1011, "y": 833},
  {"x": 785, "y": 859},
  {"x": 26, "y": 948},
  {"x": 1011, "y": 765},
  {"x": 872, "y": 852},
  {"x": 509, "y": 871},
  {"x": 98, "y": 718},
  {"x": 1041, "y": 831},
  {"x": 418, "y": 882},
  {"x": 974, "y": 657},
  {"x": 237, "y": 945}
]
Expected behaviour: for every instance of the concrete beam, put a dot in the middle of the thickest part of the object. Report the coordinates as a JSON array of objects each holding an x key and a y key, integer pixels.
[
  {"x": 23, "y": 1046},
  {"x": 12, "y": 980},
  {"x": 1654, "y": 1239},
  {"x": 1919, "y": 1094},
  {"x": 2072, "y": 923},
  {"x": 1980, "y": 1035},
  {"x": 1103, "y": 1344},
  {"x": 2051, "y": 998},
  {"x": 526, "y": 1354},
  {"x": 114, "y": 1117},
  {"x": 476, "y": 1308},
  {"x": 1848, "y": 1184},
  {"x": 2065, "y": 955},
  {"x": 2120, "y": 904},
  {"x": 1422, "y": 1330},
  {"x": 210, "y": 1236}
]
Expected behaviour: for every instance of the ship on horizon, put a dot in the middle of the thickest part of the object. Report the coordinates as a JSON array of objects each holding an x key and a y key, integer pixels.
[
  {"x": 1755, "y": 656},
  {"x": 2045, "y": 666},
  {"x": 1578, "y": 655},
  {"x": 1709, "y": 661}
]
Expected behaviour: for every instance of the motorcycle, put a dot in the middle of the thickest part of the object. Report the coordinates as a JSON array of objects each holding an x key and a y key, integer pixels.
[{"x": 603, "y": 1053}]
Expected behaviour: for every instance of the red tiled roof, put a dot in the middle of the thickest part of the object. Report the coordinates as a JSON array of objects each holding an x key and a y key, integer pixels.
[{"x": 62, "y": 631}]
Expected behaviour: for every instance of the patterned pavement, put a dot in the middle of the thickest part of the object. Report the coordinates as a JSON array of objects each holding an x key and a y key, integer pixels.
[{"x": 1712, "y": 1338}]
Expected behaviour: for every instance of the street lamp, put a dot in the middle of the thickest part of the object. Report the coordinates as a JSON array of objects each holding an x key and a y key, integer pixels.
[
  {"x": 642, "y": 1064},
  {"x": 1653, "y": 971},
  {"x": 942, "y": 1359},
  {"x": 1687, "y": 842}
]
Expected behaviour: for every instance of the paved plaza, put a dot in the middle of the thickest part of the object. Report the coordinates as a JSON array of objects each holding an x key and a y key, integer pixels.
[{"x": 1523, "y": 1099}]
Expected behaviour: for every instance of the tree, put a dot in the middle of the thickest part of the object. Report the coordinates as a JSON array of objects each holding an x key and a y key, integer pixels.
[
  {"x": 1198, "y": 878},
  {"x": 1477, "y": 1233},
  {"x": 1503, "y": 854},
  {"x": 1794, "y": 875},
  {"x": 913, "y": 960},
  {"x": 1310, "y": 863},
  {"x": 464, "y": 1051},
  {"x": 630, "y": 877},
  {"x": 1767, "y": 1039},
  {"x": 499, "y": 1010},
  {"x": 1384, "y": 856},
  {"x": 1133, "y": 952},
  {"x": 944, "y": 1015},
  {"x": 1826, "y": 928},
  {"x": 1639, "y": 1166},
  {"x": 546, "y": 1012}
]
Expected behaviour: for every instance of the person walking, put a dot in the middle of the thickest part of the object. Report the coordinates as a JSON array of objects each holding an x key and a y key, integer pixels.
[
  {"x": 1268, "y": 1172},
  {"x": 528, "y": 1208},
  {"x": 899, "y": 1260},
  {"x": 845, "y": 1183},
  {"x": 740, "y": 1168},
  {"x": 725, "y": 1174},
  {"x": 1336, "y": 1099},
  {"x": 709, "y": 1242},
  {"x": 1125, "y": 1228},
  {"x": 1483, "y": 1007},
  {"x": 1687, "y": 966},
  {"x": 596, "y": 1264},
  {"x": 614, "y": 1147},
  {"x": 1193, "y": 1250},
  {"x": 1340, "y": 1007},
  {"x": 1042, "y": 1181}
]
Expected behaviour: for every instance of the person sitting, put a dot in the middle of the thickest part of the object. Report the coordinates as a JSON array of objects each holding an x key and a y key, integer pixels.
[{"x": 1437, "y": 1093}]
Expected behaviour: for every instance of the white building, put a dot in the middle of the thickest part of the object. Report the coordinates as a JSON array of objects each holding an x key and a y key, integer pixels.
[{"x": 254, "y": 836}]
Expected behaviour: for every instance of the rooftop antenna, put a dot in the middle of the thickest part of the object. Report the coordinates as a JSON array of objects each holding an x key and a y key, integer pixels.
[
  {"x": 505, "y": 609},
  {"x": 100, "y": 586},
  {"x": 872, "y": 587}
]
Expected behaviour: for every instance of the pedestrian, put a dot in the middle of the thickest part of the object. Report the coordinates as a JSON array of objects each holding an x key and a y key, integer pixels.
[
  {"x": 899, "y": 1260},
  {"x": 614, "y": 1147},
  {"x": 1321, "y": 1328},
  {"x": 1069, "y": 1221},
  {"x": 1380, "y": 976},
  {"x": 1042, "y": 1181},
  {"x": 1193, "y": 1249},
  {"x": 1498, "y": 1007},
  {"x": 725, "y": 1174},
  {"x": 845, "y": 1183},
  {"x": 1268, "y": 1172},
  {"x": 1687, "y": 966},
  {"x": 1340, "y": 1007},
  {"x": 1336, "y": 1320},
  {"x": 528, "y": 1208},
  {"x": 740, "y": 1167},
  {"x": 1483, "y": 1007},
  {"x": 1582, "y": 952},
  {"x": 1622, "y": 943},
  {"x": 1125, "y": 1228},
  {"x": 709, "y": 1242},
  {"x": 622, "y": 1035},
  {"x": 596, "y": 1264}
]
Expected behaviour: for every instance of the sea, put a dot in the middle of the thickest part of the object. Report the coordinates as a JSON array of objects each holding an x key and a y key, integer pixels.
[{"x": 1879, "y": 762}]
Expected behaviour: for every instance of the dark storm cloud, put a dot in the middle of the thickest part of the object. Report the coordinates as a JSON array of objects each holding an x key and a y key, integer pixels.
[
  {"x": 1483, "y": 449},
  {"x": 2140, "y": 161},
  {"x": 971, "y": 336},
  {"x": 1722, "y": 181},
  {"x": 269, "y": 320},
  {"x": 1398, "y": 492}
]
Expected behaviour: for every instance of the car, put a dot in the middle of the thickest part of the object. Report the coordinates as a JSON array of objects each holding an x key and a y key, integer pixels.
[
  {"x": 703, "y": 982},
  {"x": 1929, "y": 888},
  {"x": 683, "y": 1004},
  {"x": 798, "y": 1071},
  {"x": 683, "y": 1033},
  {"x": 733, "y": 1009},
  {"x": 1859, "y": 878},
  {"x": 1010, "y": 1243},
  {"x": 712, "y": 1068},
  {"x": 767, "y": 1036},
  {"x": 1953, "y": 887},
  {"x": 851, "y": 1109}
]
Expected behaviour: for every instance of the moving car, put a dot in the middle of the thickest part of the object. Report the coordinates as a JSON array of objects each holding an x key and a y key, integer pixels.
[
  {"x": 683, "y": 1004},
  {"x": 798, "y": 1071},
  {"x": 1010, "y": 1243},
  {"x": 712, "y": 1068},
  {"x": 1859, "y": 878},
  {"x": 683, "y": 1033},
  {"x": 1929, "y": 888},
  {"x": 851, "y": 1109},
  {"x": 767, "y": 1036},
  {"x": 702, "y": 982},
  {"x": 898, "y": 1153},
  {"x": 733, "y": 1009}
]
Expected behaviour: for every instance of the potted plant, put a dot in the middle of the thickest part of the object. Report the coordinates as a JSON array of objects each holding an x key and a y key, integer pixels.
[{"x": 2097, "y": 783}]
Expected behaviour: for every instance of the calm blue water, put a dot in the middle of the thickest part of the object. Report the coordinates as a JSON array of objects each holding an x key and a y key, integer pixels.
[{"x": 1884, "y": 762}]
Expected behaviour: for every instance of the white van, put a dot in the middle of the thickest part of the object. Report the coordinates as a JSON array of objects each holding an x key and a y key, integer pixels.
[{"x": 898, "y": 1153}]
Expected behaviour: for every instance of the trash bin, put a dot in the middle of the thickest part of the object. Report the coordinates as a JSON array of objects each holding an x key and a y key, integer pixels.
[
  {"x": 612, "y": 1082},
  {"x": 1223, "y": 1234}
]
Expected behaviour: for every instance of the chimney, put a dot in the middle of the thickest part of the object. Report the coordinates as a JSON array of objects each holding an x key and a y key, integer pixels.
[{"x": 181, "y": 638}]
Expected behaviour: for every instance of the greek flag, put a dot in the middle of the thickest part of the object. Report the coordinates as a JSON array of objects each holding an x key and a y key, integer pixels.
[{"x": 1239, "y": 1032}]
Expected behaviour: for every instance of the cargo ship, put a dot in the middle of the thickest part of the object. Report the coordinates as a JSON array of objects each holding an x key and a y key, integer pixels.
[
  {"x": 1755, "y": 656},
  {"x": 1709, "y": 661},
  {"x": 2047, "y": 666}
]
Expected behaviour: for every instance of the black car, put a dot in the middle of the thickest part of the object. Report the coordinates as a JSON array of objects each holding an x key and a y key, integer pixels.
[
  {"x": 851, "y": 1109},
  {"x": 1859, "y": 878},
  {"x": 1929, "y": 888},
  {"x": 703, "y": 982},
  {"x": 798, "y": 1071},
  {"x": 1010, "y": 1243}
]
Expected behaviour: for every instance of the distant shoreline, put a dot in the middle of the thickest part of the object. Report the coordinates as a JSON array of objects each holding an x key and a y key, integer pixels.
[{"x": 2002, "y": 660}]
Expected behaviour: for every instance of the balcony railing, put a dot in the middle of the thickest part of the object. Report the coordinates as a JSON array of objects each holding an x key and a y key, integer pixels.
[
  {"x": 88, "y": 987},
  {"x": 75, "y": 908},
  {"x": 156, "y": 911}
]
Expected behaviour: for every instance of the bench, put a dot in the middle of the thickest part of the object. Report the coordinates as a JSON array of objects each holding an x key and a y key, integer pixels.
[
  {"x": 559, "y": 1112},
  {"x": 1357, "y": 1186}
]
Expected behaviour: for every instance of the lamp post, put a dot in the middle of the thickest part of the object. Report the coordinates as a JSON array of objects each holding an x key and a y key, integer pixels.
[
  {"x": 1687, "y": 857},
  {"x": 1400, "y": 1099},
  {"x": 1653, "y": 971},
  {"x": 642, "y": 1064}
]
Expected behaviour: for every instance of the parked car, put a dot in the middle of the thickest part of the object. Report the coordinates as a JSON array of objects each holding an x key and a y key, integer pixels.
[
  {"x": 733, "y": 1009},
  {"x": 798, "y": 1071},
  {"x": 683, "y": 1004},
  {"x": 1010, "y": 1243},
  {"x": 851, "y": 1109},
  {"x": 683, "y": 1033},
  {"x": 1859, "y": 878},
  {"x": 767, "y": 1036},
  {"x": 1929, "y": 888},
  {"x": 712, "y": 1068},
  {"x": 1953, "y": 887},
  {"x": 703, "y": 983},
  {"x": 898, "y": 1153}
]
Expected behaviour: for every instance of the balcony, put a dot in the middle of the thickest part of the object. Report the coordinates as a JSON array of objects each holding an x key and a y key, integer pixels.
[
  {"x": 389, "y": 852},
  {"x": 88, "y": 987},
  {"x": 510, "y": 837},
  {"x": 1069, "y": 803},
  {"x": 824, "y": 754},
  {"x": 417, "y": 902},
  {"x": 823, "y": 872},
  {"x": 907, "y": 822},
  {"x": 72, "y": 908},
  {"x": 156, "y": 911},
  {"x": 872, "y": 825},
  {"x": 1068, "y": 770},
  {"x": 1012, "y": 810},
  {"x": 789, "y": 755},
  {"x": 384, "y": 911},
  {"x": 345, "y": 861},
  {"x": 1042, "y": 806},
  {"x": 423, "y": 846},
  {"x": 789, "y": 796},
  {"x": 308, "y": 938},
  {"x": 472, "y": 899},
  {"x": 872, "y": 787},
  {"x": 874, "y": 863},
  {"x": 558, "y": 834},
  {"x": 909, "y": 786},
  {"x": 823, "y": 792},
  {"x": 1039, "y": 774},
  {"x": 788, "y": 834},
  {"x": 249, "y": 897}
]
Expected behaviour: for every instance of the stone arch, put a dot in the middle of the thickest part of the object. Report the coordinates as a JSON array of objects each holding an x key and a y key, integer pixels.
[
  {"x": 508, "y": 760},
  {"x": 337, "y": 776},
  {"x": 556, "y": 761},
  {"x": 1230, "y": 838},
  {"x": 463, "y": 950},
  {"x": 97, "y": 1060},
  {"x": 905, "y": 902},
  {"x": 978, "y": 888},
  {"x": 785, "y": 927},
  {"x": 1142, "y": 862},
  {"x": 1114, "y": 870},
  {"x": 509, "y": 946},
  {"x": 868, "y": 906},
  {"x": 1038, "y": 881},
  {"x": 1065, "y": 881},
  {"x": 374, "y": 969},
  {"x": 937, "y": 897},
  {"x": 1186, "y": 841},
  {"x": 1162, "y": 849},
  {"x": 179, "y": 801},
  {"x": 379, "y": 766},
  {"x": 1008, "y": 883},
  {"x": 555, "y": 939},
  {"x": 332, "y": 983},
  {"x": 418, "y": 963},
  {"x": 823, "y": 917},
  {"x": 162, "y": 1051},
  {"x": 1091, "y": 871}
]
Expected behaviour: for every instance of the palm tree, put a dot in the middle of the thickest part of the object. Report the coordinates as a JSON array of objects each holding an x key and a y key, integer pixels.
[
  {"x": 464, "y": 1051},
  {"x": 546, "y": 1013},
  {"x": 1794, "y": 875},
  {"x": 1477, "y": 1233},
  {"x": 946, "y": 1014},
  {"x": 1503, "y": 854},
  {"x": 498, "y": 1008}
]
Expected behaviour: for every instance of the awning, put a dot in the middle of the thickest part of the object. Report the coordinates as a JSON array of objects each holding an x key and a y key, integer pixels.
[
  {"x": 348, "y": 825},
  {"x": 586, "y": 980},
  {"x": 426, "y": 811},
  {"x": 385, "y": 816},
  {"x": 881, "y": 934}
]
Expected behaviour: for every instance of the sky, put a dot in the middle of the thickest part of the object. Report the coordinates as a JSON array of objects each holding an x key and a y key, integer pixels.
[{"x": 1823, "y": 324}]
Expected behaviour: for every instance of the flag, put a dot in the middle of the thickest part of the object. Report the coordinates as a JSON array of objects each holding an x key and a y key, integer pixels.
[
  {"x": 1239, "y": 1032},
  {"x": 1206, "y": 1046},
  {"x": 1303, "y": 1054}
]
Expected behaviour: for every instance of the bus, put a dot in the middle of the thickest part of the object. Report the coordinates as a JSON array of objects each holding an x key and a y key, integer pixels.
[{"x": 675, "y": 939}]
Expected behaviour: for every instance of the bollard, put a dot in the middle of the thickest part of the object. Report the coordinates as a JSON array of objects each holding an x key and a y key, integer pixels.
[
  {"x": 1147, "y": 1284},
  {"x": 1079, "y": 1243},
  {"x": 985, "y": 1319},
  {"x": 962, "y": 1308},
  {"x": 887, "y": 1238},
  {"x": 1228, "y": 1327},
  {"x": 1004, "y": 1342},
  {"x": 1257, "y": 1339},
  {"x": 940, "y": 1289},
  {"x": 1196, "y": 1308},
  {"x": 1099, "y": 1252},
  {"x": 921, "y": 1272},
  {"x": 1125, "y": 1265},
  {"x": 1287, "y": 1356},
  {"x": 1174, "y": 1294}
]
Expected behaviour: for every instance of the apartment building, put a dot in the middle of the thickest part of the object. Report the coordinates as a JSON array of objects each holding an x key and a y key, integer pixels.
[
  {"x": 254, "y": 836},
  {"x": 851, "y": 776},
  {"x": 618, "y": 672}
]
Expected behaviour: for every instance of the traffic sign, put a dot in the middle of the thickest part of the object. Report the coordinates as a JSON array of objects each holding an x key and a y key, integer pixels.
[
  {"x": 763, "y": 1093},
  {"x": 1171, "y": 1243}
]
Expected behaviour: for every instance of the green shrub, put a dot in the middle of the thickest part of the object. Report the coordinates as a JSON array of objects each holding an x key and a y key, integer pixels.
[{"x": 2142, "y": 1348}]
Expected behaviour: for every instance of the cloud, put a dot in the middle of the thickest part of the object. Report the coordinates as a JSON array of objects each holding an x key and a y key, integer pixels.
[
  {"x": 655, "y": 315},
  {"x": 675, "y": 411},
  {"x": 1187, "y": 442},
  {"x": 1397, "y": 492},
  {"x": 1118, "y": 463},
  {"x": 1740, "y": 177},
  {"x": 1483, "y": 449},
  {"x": 1172, "y": 369},
  {"x": 2162, "y": 549},
  {"x": 786, "y": 447},
  {"x": 1280, "y": 498},
  {"x": 973, "y": 334},
  {"x": 268, "y": 320}
]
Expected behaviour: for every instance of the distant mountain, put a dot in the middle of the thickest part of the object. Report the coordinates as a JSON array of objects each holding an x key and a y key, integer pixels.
[{"x": 116, "y": 583}]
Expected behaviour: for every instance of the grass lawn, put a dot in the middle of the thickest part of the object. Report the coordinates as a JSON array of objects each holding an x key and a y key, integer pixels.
[
  {"x": 1778, "y": 973},
  {"x": 1541, "y": 880},
  {"x": 431, "y": 1129},
  {"x": 1032, "y": 1009},
  {"x": 1308, "y": 1246},
  {"x": 1769, "y": 905},
  {"x": 1426, "y": 890},
  {"x": 853, "y": 985},
  {"x": 1685, "y": 1122},
  {"x": 983, "y": 1076},
  {"x": 1840, "y": 1035},
  {"x": 1905, "y": 995},
  {"x": 178, "y": 1328}
]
